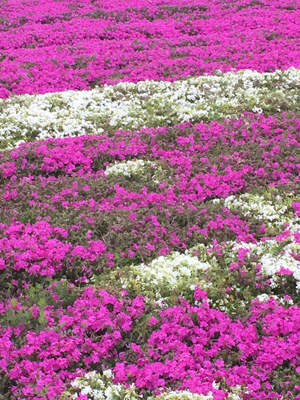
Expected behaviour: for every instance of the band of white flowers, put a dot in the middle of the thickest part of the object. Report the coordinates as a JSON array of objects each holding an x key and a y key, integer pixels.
[
  {"x": 99, "y": 386},
  {"x": 132, "y": 106}
]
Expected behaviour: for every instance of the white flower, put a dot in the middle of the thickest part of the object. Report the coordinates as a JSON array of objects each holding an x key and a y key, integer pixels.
[
  {"x": 108, "y": 373},
  {"x": 108, "y": 393},
  {"x": 257, "y": 109},
  {"x": 86, "y": 390},
  {"x": 263, "y": 297}
]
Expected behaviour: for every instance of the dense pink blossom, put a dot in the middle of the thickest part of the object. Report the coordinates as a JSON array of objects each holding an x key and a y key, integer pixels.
[
  {"x": 50, "y": 46},
  {"x": 66, "y": 222}
]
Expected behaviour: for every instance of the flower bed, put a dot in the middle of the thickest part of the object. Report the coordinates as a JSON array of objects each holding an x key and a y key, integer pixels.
[
  {"x": 149, "y": 228},
  {"x": 189, "y": 238},
  {"x": 147, "y": 104},
  {"x": 50, "y": 46}
]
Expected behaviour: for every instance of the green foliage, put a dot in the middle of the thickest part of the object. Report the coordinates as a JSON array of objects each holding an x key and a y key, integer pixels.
[
  {"x": 40, "y": 296},
  {"x": 5, "y": 384}
]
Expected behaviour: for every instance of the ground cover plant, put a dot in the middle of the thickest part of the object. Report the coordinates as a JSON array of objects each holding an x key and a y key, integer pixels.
[
  {"x": 149, "y": 200},
  {"x": 50, "y": 46}
]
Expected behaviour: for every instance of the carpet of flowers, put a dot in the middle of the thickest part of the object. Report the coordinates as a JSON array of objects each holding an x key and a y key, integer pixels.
[{"x": 149, "y": 200}]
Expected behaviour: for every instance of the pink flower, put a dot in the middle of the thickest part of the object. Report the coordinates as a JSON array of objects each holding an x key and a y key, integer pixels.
[
  {"x": 35, "y": 311},
  {"x": 2, "y": 264},
  {"x": 199, "y": 294},
  {"x": 132, "y": 216},
  {"x": 263, "y": 228},
  {"x": 296, "y": 206},
  {"x": 181, "y": 140},
  {"x": 152, "y": 321},
  {"x": 89, "y": 292},
  {"x": 284, "y": 271}
]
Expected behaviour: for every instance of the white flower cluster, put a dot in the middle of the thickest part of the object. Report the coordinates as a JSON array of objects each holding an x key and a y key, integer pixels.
[
  {"x": 259, "y": 208},
  {"x": 184, "y": 395},
  {"x": 100, "y": 387},
  {"x": 127, "y": 168},
  {"x": 264, "y": 297},
  {"x": 147, "y": 103},
  {"x": 272, "y": 264},
  {"x": 166, "y": 273},
  {"x": 187, "y": 395},
  {"x": 273, "y": 213},
  {"x": 133, "y": 167},
  {"x": 273, "y": 255}
]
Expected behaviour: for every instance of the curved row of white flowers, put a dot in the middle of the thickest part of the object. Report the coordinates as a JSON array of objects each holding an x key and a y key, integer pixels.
[
  {"x": 99, "y": 386},
  {"x": 128, "y": 168},
  {"x": 273, "y": 257},
  {"x": 180, "y": 272},
  {"x": 134, "y": 167},
  {"x": 274, "y": 212},
  {"x": 146, "y": 104}
]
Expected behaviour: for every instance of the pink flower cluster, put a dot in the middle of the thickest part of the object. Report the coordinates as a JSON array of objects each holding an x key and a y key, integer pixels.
[
  {"x": 62, "y": 188},
  {"x": 272, "y": 137},
  {"x": 86, "y": 333},
  {"x": 66, "y": 220},
  {"x": 38, "y": 250},
  {"x": 50, "y": 46},
  {"x": 187, "y": 347},
  {"x": 191, "y": 347}
]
